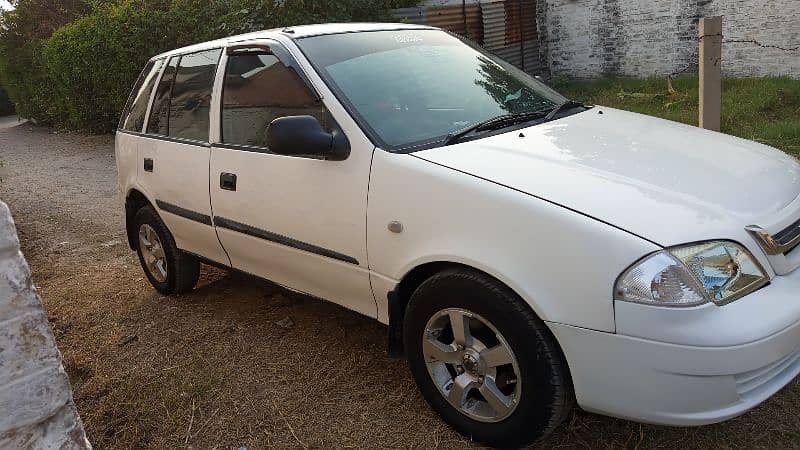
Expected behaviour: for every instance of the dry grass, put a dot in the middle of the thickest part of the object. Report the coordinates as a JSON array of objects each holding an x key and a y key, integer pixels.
[{"x": 212, "y": 368}]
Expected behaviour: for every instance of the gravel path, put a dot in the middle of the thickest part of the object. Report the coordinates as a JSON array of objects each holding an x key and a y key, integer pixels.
[
  {"x": 10, "y": 121},
  {"x": 213, "y": 368}
]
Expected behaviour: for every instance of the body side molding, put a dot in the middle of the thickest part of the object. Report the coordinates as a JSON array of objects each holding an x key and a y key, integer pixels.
[
  {"x": 280, "y": 239},
  {"x": 183, "y": 212}
]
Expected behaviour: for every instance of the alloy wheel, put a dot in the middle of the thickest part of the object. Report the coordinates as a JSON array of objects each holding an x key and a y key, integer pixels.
[
  {"x": 472, "y": 365},
  {"x": 153, "y": 253}
]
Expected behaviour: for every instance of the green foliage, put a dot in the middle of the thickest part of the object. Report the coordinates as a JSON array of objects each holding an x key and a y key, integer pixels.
[
  {"x": 765, "y": 110},
  {"x": 22, "y": 31},
  {"x": 23, "y": 77},
  {"x": 79, "y": 75},
  {"x": 252, "y": 15},
  {"x": 92, "y": 61},
  {"x": 6, "y": 106}
]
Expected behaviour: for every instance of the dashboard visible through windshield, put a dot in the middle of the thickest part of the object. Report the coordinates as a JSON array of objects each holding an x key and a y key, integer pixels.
[{"x": 412, "y": 88}]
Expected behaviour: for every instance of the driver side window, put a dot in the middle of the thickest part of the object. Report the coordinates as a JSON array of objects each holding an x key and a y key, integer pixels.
[{"x": 258, "y": 89}]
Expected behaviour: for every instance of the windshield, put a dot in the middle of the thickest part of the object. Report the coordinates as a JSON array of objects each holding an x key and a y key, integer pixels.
[{"x": 411, "y": 88}]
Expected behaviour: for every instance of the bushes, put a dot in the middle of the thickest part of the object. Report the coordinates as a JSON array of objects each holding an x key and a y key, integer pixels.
[
  {"x": 25, "y": 82},
  {"x": 92, "y": 61},
  {"x": 6, "y": 107},
  {"x": 80, "y": 76},
  {"x": 22, "y": 32},
  {"x": 23, "y": 77},
  {"x": 251, "y": 15}
]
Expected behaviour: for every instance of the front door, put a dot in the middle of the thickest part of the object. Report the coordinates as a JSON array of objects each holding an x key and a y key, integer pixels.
[{"x": 299, "y": 221}]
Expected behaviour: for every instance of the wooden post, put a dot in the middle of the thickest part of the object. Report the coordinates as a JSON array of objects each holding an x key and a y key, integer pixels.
[
  {"x": 464, "y": 17},
  {"x": 710, "y": 32},
  {"x": 521, "y": 36}
]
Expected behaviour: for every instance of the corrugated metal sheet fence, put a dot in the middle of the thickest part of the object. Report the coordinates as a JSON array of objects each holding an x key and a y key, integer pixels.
[{"x": 505, "y": 27}]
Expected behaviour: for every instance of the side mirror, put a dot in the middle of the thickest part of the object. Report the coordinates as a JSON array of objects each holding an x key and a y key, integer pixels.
[{"x": 304, "y": 136}]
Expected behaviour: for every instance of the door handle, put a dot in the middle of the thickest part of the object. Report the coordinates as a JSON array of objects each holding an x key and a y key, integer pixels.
[
  {"x": 227, "y": 181},
  {"x": 148, "y": 164}
]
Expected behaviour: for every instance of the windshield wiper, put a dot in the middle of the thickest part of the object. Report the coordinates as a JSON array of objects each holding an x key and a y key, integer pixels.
[
  {"x": 561, "y": 107},
  {"x": 493, "y": 123},
  {"x": 505, "y": 120}
]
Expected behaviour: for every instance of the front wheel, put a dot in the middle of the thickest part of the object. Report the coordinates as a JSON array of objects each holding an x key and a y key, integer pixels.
[{"x": 484, "y": 361}]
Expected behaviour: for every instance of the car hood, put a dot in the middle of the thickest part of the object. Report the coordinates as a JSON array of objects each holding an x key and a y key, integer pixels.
[{"x": 667, "y": 182}]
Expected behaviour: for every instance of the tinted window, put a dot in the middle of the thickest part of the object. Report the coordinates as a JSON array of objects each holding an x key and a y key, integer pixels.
[
  {"x": 191, "y": 95},
  {"x": 135, "y": 110},
  {"x": 258, "y": 89},
  {"x": 159, "y": 113}
]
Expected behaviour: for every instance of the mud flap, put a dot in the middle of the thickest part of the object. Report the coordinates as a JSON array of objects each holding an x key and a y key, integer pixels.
[{"x": 395, "y": 338}]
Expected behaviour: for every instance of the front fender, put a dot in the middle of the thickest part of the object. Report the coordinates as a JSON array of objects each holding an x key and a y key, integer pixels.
[{"x": 562, "y": 263}]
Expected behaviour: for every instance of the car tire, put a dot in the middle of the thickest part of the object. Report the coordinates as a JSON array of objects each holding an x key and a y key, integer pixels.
[
  {"x": 170, "y": 270},
  {"x": 537, "y": 380}
]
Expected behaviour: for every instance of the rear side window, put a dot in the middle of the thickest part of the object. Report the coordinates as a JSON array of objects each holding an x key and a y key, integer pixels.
[
  {"x": 159, "y": 113},
  {"x": 190, "y": 105},
  {"x": 135, "y": 110},
  {"x": 258, "y": 89}
]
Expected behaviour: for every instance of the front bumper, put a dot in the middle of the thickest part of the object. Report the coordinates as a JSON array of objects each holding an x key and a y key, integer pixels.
[{"x": 698, "y": 366}]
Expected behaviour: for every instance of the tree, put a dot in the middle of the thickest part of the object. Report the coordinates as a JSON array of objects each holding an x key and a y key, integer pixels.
[
  {"x": 6, "y": 107},
  {"x": 22, "y": 31},
  {"x": 71, "y": 63}
]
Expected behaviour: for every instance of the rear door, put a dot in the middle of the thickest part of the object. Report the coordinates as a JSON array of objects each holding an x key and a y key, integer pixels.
[
  {"x": 175, "y": 152},
  {"x": 131, "y": 126},
  {"x": 296, "y": 220}
]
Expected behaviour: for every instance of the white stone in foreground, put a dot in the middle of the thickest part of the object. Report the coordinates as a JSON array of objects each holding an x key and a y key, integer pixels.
[{"x": 36, "y": 407}]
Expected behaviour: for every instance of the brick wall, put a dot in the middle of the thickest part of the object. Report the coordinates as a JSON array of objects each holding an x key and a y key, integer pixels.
[
  {"x": 641, "y": 38},
  {"x": 36, "y": 408}
]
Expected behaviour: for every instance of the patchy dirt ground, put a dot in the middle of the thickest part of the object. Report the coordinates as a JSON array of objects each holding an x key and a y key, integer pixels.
[{"x": 213, "y": 369}]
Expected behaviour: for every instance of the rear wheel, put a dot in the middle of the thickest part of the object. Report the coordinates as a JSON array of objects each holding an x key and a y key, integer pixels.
[
  {"x": 169, "y": 270},
  {"x": 484, "y": 361}
]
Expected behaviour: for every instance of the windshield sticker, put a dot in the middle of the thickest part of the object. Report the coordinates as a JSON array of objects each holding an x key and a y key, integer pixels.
[{"x": 408, "y": 38}]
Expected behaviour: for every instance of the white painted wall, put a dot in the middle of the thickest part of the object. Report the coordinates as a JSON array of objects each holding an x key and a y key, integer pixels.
[
  {"x": 36, "y": 407},
  {"x": 641, "y": 38}
]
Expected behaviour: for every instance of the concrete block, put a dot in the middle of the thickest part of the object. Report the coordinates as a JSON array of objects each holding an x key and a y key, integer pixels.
[{"x": 36, "y": 406}]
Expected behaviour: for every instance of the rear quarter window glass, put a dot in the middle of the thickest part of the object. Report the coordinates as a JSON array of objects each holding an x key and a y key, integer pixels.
[
  {"x": 135, "y": 110},
  {"x": 159, "y": 113},
  {"x": 258, "y": 89},
  {"x": 190, "y": 107}
]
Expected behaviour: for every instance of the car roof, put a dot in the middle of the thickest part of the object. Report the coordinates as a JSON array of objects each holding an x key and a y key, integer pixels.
[{"x": 297, "y": 32}]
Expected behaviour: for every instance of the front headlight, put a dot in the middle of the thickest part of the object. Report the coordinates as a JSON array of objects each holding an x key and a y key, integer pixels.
[{"x": 689, "y": 275}]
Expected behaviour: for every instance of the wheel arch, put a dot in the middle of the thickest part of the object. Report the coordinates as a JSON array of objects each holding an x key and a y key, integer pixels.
[
  {"x": 134, "y": 201},
  {"x": 400, "y": 296}
]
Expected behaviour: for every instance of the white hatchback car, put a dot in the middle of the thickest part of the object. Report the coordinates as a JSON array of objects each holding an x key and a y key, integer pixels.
[{"x": 525, "y": 250}]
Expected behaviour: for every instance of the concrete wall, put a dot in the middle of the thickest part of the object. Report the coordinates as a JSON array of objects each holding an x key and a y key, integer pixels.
[
  {"x": 641, "y": 38},
  {"x": 36, "y": 407}
]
